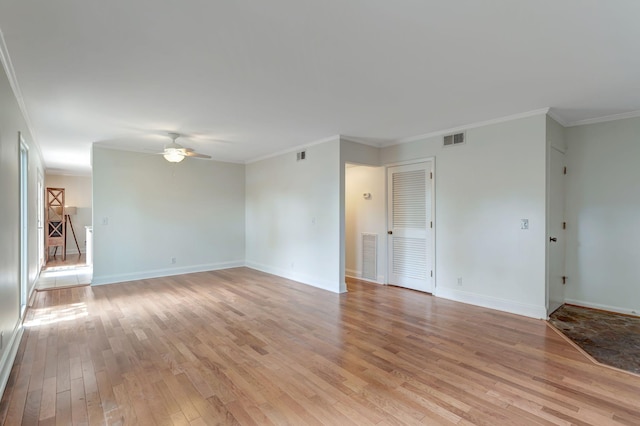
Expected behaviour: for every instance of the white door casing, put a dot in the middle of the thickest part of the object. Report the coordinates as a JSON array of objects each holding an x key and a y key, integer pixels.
[
  {"x": 24, "y": 222},
  {"x": 40, "y": 217},
  {"x": 410, "y": 226}
]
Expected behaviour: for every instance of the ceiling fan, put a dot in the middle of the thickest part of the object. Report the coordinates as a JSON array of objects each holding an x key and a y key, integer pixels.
[{"x": 175, "y": 153}]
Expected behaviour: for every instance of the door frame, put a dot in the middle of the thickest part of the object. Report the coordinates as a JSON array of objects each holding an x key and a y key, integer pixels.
[
  {"x": 433, "y": 215},
  {"x": 23, "y": 207},
  {"x": 40, "y": 221}
]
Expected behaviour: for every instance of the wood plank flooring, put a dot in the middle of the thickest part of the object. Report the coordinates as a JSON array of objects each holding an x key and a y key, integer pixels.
[{"x": 242, "y": 347}]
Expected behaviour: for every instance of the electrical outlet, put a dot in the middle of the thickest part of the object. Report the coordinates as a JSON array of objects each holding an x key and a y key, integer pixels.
[
  {"x": 105, "y": 220},
  {"x": 459, "y": 280},
  {"x": 524, "y": 223},
  {"x": 173, "y": 260}
]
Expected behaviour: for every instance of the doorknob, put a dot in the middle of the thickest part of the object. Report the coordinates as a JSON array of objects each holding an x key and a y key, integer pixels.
[
  {"x": 389, "y": 232},
  {"x": 554, "y": 239}
]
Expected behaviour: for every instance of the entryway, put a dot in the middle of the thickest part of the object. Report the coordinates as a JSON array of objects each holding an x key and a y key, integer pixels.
[
  {"x": 58, "y": 273},
  {"x": 389, "y": 224},
  {"x": 68, "y": 207}
]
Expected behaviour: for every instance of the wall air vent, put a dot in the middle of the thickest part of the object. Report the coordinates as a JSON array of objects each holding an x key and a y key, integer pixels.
[
  {"x": 455, "y": 139},
  {"x": 302, "y": 155}
]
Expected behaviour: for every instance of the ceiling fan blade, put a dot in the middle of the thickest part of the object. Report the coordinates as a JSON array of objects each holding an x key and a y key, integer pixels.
[{"x": 196, "y": 155}]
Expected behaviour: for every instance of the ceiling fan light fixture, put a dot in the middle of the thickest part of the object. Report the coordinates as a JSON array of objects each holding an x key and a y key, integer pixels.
[{"x": 173, "y": 155}]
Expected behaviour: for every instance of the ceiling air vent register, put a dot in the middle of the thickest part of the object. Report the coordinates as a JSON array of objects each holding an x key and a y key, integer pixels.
[{"x": 455, "y": 139}]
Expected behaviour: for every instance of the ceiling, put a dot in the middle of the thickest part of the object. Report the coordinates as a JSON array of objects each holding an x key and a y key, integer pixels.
[{"x": 246, "y": 79}]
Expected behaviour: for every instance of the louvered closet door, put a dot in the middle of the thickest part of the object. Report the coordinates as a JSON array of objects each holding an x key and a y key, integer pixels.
[{"x": 410, "y": 226}]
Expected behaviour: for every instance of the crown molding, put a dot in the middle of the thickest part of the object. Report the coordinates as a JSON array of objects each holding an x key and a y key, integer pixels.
[
  {"x": 15, "y": 87},
  {"x": 360, "y": 141},
  {"x": 561, "y": 121},
  {"x": 294, "y": 149},
  {"x": 527, "y": 114},
  {"x": 604, "y": 119},
  {"x": 68, "y": 173}
]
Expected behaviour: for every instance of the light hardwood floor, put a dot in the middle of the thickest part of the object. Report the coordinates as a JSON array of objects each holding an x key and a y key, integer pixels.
[
  {"x": 243, "y": 347},
  {"x": 70, "y": 260}
]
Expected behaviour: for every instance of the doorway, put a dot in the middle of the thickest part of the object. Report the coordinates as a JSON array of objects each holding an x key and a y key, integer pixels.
[
  {"x": 365, "y": 223},
  {"x": 410, "y": 226}
]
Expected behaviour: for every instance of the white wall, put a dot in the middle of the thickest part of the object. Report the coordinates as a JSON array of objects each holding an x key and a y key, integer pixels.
[
  {"x": 556, "y": 135},
  {"x": 603, "y": 215},
  {"x": 293, "y": 216},
  {"x": 555, "y": 265},
  {"x": 148, "y": 211},
  {"x": 77, "y": 194},
  {"x": 483, "y": 189},
  {"x": 365, "y": 216},
  {"x": 12, "y": 122}
]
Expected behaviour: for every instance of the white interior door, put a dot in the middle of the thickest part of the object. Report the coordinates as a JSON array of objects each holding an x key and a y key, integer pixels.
[
  {"x": 556, "y": 238},
  {"x": 410, "y": 226}
]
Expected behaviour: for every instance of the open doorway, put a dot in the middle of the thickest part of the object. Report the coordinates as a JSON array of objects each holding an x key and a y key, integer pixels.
[
  {"x": 365, "y": 223},
  {"x": 67, "y": 263}
]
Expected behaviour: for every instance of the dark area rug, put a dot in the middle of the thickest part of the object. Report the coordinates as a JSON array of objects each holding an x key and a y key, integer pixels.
[{"x": 611, "y": 339}]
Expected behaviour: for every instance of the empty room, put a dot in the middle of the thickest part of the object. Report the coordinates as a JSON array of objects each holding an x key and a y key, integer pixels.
[{"x": 319, "y": 213}]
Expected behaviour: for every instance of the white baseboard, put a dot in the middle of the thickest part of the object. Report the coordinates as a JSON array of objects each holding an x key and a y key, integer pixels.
[
  {"x": 9, "y": 355},
  {"x": 156, "y": 273},
  {"x": 313, "y": 281},
  {"x": 602, "y": 307},
  {"x": 518, "y": 308},
  {"x": 352, "y": 273}
]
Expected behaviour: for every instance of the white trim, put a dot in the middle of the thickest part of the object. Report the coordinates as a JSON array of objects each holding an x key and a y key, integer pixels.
[
  {"x": 407, "y": 162},
  {"x": 518, "y": 308},
  {"x": 360, "y": 141},
  {"x": 561, "y": 121},
  {"x": 613, "y": 117},
  {"x": 31, "y": 290},
  {"x": 352, "y": 273},
  {"x": 465, "y": 127},
  {"x": 9, "y": 356},
  {"x": 75, "y": 173},
  {"x": 157, "y": 273},
  {"x": 295, "y": 148},
  {"x": 301, "y": 278},
  {"x": 60, "y": 172},
  {"x": 600, "y": 306}
]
